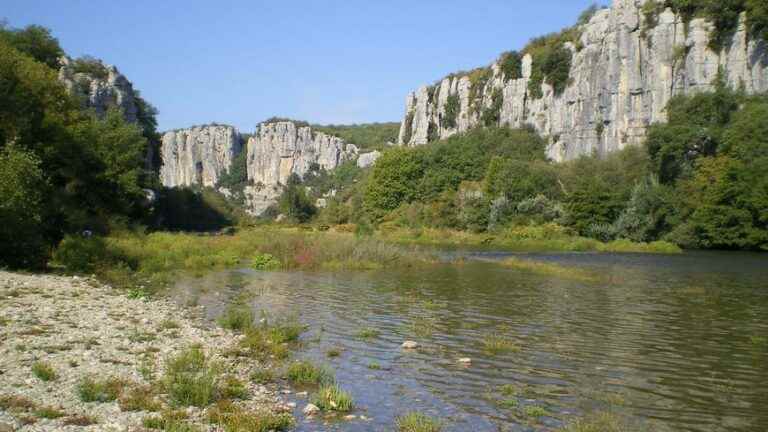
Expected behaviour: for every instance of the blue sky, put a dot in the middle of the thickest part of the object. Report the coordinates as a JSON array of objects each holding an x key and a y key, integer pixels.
[{"x": 240, "y": 61}]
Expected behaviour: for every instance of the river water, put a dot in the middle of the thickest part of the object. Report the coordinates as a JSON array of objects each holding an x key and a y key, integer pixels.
[{"x": 669, "y": 343}]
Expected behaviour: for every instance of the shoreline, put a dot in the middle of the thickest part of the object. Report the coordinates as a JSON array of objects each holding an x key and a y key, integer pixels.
[{"x": 79, "y": 328}]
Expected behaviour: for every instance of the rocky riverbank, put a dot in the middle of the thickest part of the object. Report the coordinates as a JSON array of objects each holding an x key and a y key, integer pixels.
[{"x": 76, "y": 354}]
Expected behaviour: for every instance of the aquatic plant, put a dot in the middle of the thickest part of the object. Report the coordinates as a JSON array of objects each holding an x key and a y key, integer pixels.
[
  {"x": 237, "y": 317},
  {"x": 535, "y": 411},
  {"x": 494, "y": 344},
  {"x": 417, "y": 422},
  {"x": 551, "y": 269},
  {"x": 304, "y": 373},
  {"x": 333, "y": 398},
  {"x": 599, "y": 422},
  {"x": 368, "y": 333}
]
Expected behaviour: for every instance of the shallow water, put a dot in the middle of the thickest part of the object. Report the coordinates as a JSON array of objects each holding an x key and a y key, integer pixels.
[{"x": 668, "y": 342}]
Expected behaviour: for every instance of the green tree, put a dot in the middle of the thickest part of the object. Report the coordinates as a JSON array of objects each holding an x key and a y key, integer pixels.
[
  {"x": 393, "y": 181},
  {"x": 22, "y": 188},
  {"x": 35, "y": 41},
  {"x": 294, "y": 202}
]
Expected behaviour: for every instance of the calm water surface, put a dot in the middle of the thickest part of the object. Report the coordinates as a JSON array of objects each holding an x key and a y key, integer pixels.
[{"x": 672, "y": 343}]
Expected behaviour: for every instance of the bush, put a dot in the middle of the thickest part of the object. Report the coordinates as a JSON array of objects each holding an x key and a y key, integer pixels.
[
  {"x": 22, "y": 188},
  {"x": 451, "y": 111},
  {"x": 81, "y": 254},
  {"x": 190, "y": 379},
  {"x": 265, "y": 262}
]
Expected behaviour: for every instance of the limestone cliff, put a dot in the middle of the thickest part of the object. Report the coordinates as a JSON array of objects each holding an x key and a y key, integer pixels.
[
  {"x": 279, "y": 149},
  {"x": 111, "y": 89},
  {"x": 623, "y": 73},
  {"x": 198, "y": 155}
]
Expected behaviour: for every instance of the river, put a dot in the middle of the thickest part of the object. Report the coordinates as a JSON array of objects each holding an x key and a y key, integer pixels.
[{"x": 667, "y": 342}]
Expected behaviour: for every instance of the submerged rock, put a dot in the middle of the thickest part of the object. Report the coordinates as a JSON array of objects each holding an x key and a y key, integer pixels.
[
  {"x": 410, "y": 345},
  {"x": 310, "y": 410}
]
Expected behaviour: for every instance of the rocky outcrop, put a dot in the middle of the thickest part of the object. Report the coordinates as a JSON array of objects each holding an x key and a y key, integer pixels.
[
  {"x": 367, "y": 159},
  {"x": 198, "y": 156},
  {"x": 622, "y": 76},
  {"x": 111, "y": 89},
  {"x": 280, "y": 149}
]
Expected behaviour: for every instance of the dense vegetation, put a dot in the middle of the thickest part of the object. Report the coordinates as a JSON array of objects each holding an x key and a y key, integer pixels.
[
  {"x": 63, "y": 170},
  {"x": 367, "y": 136},
  {"x": 700, "y": 182}
]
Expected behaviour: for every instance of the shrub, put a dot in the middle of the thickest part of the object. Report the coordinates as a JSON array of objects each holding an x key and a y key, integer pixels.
[
  {"x": 237, "y": 317},
  {"x": 451, "y": 111},
  {"x": 81, "y": 254},
  {"x": 232, "y": 418},
  {"x": 190, "y": 379},
  {"x": 511, "y": 65},
  {"x": 265, "y": 262}
]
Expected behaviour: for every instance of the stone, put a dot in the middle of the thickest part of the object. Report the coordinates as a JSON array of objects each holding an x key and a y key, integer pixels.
[
  {"x": 100, "y": 93},
  {"x": 310, "y": 410},
  {"x": 280, "y": 149},
  {"x": 465, "y": 360},
  {"x": 366, "y": 160},
  {"x": 198, "y": 156},
  {"x": 410, "y": 345},
  {"x": 6, "y": 427},
  {"x": 620, "y": 83}
]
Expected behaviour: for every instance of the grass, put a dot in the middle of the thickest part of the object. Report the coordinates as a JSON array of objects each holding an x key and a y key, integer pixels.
[
  {"x": 535, "y": 411},
  {"x": 190, "y": 379},
  {"x": 368, "y": 333},
  {"x": 306, "y": 373},
  {"x": 16, "y": 403},
  {"x": 80, "y": 420},
  {"x": 152, "y": 260},
  {"x": 508, "y": 403},
  {"x": 417, "y": 422},
  {"x": 374, "y": 366},
  {"x": 170, "y": 421},
  {"x": 232, "y": 388},
  {"x": 550, "y": 269},
  {"x": 230, "y": 417},
  {"x": 169, "y": 324},
  {"x": 139, "y": 398},
  {"x": 92, "y": 390},
  {"x": 271, "y": 341},
  {"x": 333, "y": 352},
  {"x": 237, "y": 318},
  {"x": 332, "y": 398},
  {"x": 508, "y": 390},
  {"x": 263, "y": 376},
  {"x": 527, "y": 238},
  {"x": 44, "y": 371},
  {"x": 495, "y": 344},
  {"x": 599, "y": 422},
  {"x": 49, "y": 413}
]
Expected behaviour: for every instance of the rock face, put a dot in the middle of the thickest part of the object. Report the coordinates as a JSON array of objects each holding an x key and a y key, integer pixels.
[
  {"x": 367, "y": 159},
  {"x": 278, "y": 150},
  {"x": 620, "y": 82},
  {"x": 100, "y": 93},
  {"x": 198, "y": 155}
]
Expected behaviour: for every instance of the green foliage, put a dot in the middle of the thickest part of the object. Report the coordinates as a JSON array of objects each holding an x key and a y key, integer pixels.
[
  {"x": 294, "y": 202},
  {"x": 237, "y": 317},
  {"x": 236, "y": 177},
  {"x": 187, "y": 209},
  {"x": 367, "y": 136},
  {"x": 306, "y": 373},
  {"x": 392, "y": 180},
  {"x": 90, "y": 389},
  {"x": 80, "y": 254},
  {"x": 417, "y": 422},
  {"x": 22, "y": 188},
  {"x": 551, "y": 64},
  {"x": 588, "y": 13},
  {"x": 265, "y": 262},
  {"x": 333, "y": 398},
  {"x": 190, "y": 378},
  {"x": 491, "y": 115},
  {"x": 452, "y": 109},
  {"x": 90, "y": 66},
  {"x": 34, "y": 41},
  {"x": 44, "y": 371},
  {"x": 478, "y": 79},
  {"x": 511, "y": 64},
  {"x": 757, "y": 18}
]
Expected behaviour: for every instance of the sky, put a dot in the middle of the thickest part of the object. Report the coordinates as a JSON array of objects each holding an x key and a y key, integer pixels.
[{"x": 240, "y": 62}]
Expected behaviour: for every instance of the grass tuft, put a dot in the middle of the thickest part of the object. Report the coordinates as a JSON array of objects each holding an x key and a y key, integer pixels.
[
  {"x": 237, "y": 318},
  {"x": 44, "y": 371},
  {"x": 92, "y": 390},
  {"x": 417, "y": 422},
  {"x": 550, "y": 269},
  {"x": 306, "y": 373},
  {"x": 333, "y": 398},
  {"x": 495, "y": 344},
  {"x": 139, "y": 398},
  {"x": 368, "y": 333},
  {"x": 190, "y": 378},
  {"x": 49, "y": 413},
  {"x": 600, "y": 422},
  {"x": 233, "y": 418}
]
